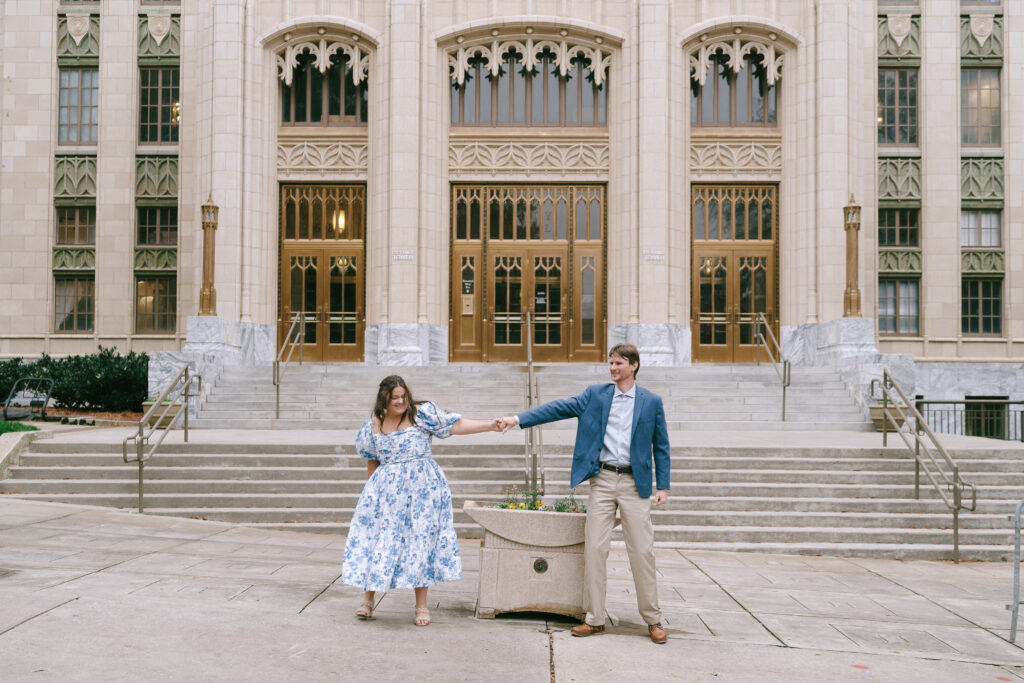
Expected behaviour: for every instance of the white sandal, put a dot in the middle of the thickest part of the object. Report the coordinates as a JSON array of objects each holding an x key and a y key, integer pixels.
[
  {"x": 365, "y": 610},
  {"x": 422, "y": 615}
]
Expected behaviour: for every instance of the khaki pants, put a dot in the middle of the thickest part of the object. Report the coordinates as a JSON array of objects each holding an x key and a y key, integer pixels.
[{"x": 610, "y": 491}]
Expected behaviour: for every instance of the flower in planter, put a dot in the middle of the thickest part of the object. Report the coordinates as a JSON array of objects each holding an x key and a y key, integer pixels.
[{"x": 531, "y": 499}]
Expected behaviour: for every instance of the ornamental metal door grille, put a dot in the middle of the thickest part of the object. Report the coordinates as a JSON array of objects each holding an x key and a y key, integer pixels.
[
  {"x": 735, "y": 262},
  {"x": 322, "y": 274},
  {"x": 517, "y": 248}
]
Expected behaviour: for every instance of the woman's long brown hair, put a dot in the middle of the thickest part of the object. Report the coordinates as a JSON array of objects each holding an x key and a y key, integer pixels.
[{"x": 388, "y": 385}]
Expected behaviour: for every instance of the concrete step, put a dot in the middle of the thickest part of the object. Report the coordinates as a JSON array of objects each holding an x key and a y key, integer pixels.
[
  {"x": 268, "y": 421},
  {"x": 881, "y": 549}
]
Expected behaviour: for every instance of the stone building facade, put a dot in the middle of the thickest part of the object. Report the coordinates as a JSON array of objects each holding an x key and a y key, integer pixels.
[{"x": 411, "y": 177}]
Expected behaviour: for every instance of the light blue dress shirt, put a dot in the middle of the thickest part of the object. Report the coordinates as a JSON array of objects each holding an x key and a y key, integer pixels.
[{"x": 619, "y": 433}]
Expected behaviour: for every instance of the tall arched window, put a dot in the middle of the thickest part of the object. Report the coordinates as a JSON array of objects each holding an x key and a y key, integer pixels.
[{"x": 728, "y": 98}]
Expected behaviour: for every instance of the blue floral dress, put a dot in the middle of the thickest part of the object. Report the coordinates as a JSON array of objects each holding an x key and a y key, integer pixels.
[{"x": 402, "y": 533}]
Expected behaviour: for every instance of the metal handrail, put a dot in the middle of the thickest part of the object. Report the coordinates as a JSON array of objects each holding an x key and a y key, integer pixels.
[
  {"x": 159, "y": 418},
  {"x": 534, "y": 438},
  {"x": 1015, "y": 606},
  {"x": 781, "y": 365},
  {"x": 923, "y": 443},
  {"x": 290, "y": 344}
]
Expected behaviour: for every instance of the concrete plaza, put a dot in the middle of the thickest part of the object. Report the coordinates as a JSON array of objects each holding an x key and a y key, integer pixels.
[{"x": 94, "y": 594}]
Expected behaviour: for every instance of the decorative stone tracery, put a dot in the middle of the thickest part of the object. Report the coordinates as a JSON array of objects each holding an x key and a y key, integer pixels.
[
  {"x": 494, "y": 52},
  {"x": 516, "y": 156},
  {"x": 322, "y": 50},
  {"x": 735, "y": 51}
]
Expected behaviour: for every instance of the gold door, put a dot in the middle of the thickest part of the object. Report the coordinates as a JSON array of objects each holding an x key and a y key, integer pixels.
[
  {"x": 323, "y": 270},
  {"x": 527, "y": 248},
  {"x": 734, "y": 279}
]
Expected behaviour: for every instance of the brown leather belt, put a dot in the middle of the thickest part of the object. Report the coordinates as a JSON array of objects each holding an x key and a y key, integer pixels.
[{"x": 625, "y": 469}]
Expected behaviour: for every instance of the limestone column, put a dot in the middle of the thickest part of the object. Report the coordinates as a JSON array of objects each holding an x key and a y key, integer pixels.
[
  {"x": 394, "y": 332},
  {"x": 647, "y": 253}
]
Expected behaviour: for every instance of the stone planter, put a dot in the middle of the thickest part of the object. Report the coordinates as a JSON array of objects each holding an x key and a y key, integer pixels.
[
  {"x": 877, "y": 416},
  {"x": 163, "y": 417},
  {"x": 530, "y": 561}
]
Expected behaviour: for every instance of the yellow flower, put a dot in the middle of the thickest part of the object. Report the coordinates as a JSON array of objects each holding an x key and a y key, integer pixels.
[{"x": 522, "y": 506}]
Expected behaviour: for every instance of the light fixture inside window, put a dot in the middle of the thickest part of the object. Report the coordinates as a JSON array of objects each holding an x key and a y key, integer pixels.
[
  {"x": 338, "y": 223},
  {"x": 176, "y": 112}
]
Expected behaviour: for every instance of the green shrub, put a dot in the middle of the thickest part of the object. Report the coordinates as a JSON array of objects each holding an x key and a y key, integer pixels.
[{"x": 103, "y": 381}]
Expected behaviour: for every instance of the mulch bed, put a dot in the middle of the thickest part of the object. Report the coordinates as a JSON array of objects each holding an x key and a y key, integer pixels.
[{"x": 93, "y": 414}]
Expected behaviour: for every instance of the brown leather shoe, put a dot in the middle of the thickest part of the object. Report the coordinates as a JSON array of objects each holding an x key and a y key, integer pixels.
[
  {"x": 658, "y": 634},
  {"x": 584, "y": 630}
]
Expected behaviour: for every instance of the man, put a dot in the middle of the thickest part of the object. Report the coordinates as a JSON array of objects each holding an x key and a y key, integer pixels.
[{"x": 621, "y": 430}]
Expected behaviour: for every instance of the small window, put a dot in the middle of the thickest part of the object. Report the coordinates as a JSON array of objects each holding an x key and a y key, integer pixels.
[
  {"x": 73, "y": 303},
  {"x": 156, "y": 304},
  {"x": 159, "y": 105},
  {"x": 981, "y": 306},
  {"x": 157, "y": 226},
  {"x": 980, "y": 228},
  {"x": 897, "y": 106},
  {"x": 984, "y": 417},
  {"x": 898, "y": 227},
  {"x": 979, "y": 107},
  {"x": 898, "y": 306},
  {"x": 76, "y": 225},
  {"x": 78, "y": 109}
]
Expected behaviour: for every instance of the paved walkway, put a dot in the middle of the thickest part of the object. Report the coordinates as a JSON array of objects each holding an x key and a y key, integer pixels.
[{"x": 89, "y": 594}]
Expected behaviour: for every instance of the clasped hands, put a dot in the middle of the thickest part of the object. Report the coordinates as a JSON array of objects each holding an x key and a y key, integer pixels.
[{"x": 503, "y": 424}]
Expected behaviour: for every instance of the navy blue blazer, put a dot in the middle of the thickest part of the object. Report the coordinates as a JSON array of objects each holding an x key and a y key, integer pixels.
[{"x": 649, "y": 441}]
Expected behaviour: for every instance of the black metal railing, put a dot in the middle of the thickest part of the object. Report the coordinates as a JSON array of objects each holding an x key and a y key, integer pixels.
[{"x": 990, "y": 418}]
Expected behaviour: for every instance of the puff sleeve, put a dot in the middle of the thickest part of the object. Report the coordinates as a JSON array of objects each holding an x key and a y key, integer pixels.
[
  {"x": 435, "y": 421},
  {"x": 365, "y": 444}
]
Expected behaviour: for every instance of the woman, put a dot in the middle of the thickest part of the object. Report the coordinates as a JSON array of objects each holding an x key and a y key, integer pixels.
[{"x": 402, "y": 533}]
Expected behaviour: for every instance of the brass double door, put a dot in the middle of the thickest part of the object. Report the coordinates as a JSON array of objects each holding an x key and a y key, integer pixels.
[
  {"x": 323, "y": 270},
  {"x": 519, "y": 249},
  {"x": 733, "y": 270}
]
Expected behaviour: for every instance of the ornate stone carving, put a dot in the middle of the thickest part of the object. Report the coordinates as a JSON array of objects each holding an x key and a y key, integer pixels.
[
  {"x": 899, "y": 38},
  {"x": 156, "y": 177},
  {"x": 517, "y": 156},
  {"x": 78, "y": 39},
  {"x": 159, "y": 26},
  {"x": 982, "y": 261},
  {"x": 735, "y": 49},
  {"x": 74, "y": 176},
  {"x": 716, "y": 157},
  {"x": 323, "y": 49},
  {"x": 156, "y": 258},
  {"x": 981, "y": 38},
  {"x": 315, "y": 156},
  {"x": 981, "y": 180},
  {"x": 899, "y": 261},
  {"x": 159, "y": 38},
  {"x": 493, "y": 53},
  {"x": 74, "y": 258},
  {"x": 899, "y": 179}
]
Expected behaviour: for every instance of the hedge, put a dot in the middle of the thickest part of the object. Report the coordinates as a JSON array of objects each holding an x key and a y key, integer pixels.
[{"x": 103, "y": 381}]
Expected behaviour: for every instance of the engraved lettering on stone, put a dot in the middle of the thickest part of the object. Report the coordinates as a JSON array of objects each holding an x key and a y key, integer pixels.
[
  {"x": 78, "y": 27},
  {"x": 159, "y": 26},
  {"x": 981, "y": 27}
]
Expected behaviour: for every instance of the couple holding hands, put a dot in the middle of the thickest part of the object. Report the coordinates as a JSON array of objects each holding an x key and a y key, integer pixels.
[{"x": 403, "y": 535}]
